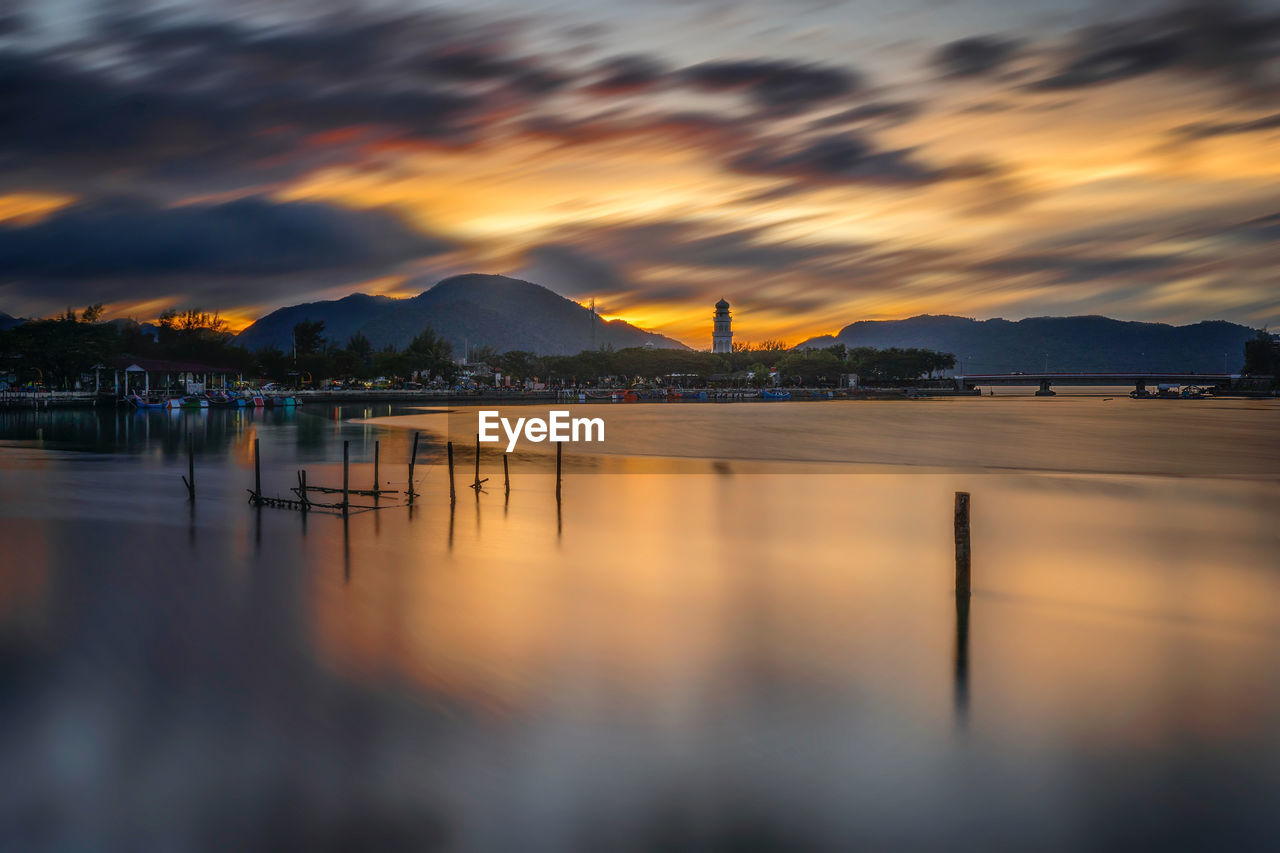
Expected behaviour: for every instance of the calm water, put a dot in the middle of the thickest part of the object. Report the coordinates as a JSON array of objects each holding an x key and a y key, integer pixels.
[{"x": 737, "y": 632}]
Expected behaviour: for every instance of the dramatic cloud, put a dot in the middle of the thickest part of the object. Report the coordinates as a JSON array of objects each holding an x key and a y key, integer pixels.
[
  {"x": 624, "y": 75},
  {"x": 842, "y": 158},
  {"x": 181, "y": 101},
  {"x": 1068, "y": 269},
  {"x": 1205, "y": 130},
  {"x": 651, "y": 158},
  {"x": 884, "y": 113},
  {"x": 974, "y": 56},
  {"x": 774, "y": 85},
  {"x": 1224, "y": 39},
  {"x": 248, "y": 237}
]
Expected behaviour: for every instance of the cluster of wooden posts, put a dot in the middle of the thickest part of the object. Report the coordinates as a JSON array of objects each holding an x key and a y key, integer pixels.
[
  {"x": 303, "y": 491},
  {"x": 302, "y": 494}
]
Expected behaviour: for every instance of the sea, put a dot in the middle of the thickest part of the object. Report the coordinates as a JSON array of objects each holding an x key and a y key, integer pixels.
[{"x": 732, "y": 627}]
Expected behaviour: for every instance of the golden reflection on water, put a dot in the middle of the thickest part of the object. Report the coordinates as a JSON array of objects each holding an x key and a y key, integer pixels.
[
  {"x": 670, "y": 597},
  {"x": 738, "y": 633}
]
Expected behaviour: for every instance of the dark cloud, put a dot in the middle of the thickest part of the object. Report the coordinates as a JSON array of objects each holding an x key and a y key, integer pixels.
[
  {"x": 715, "y": 132},
  {"x": 975, "y": 56},
  {"x": 248, "y": 237},
  {"x": 1205, "y": 130},
  {"x": 682, "y": 260},
  {"x": 1117, "y": 62},
  {"x": 686, "y": 244},
  {"x": 887, "y": 113},
  {"x": 242, "y": 104},
  {"x": 624, "y": 75},
  {"x": 841, "y": 158},
  {"x": 1225, "y": 40},
  {"x": 1074, "y": 269},
  {"x": 572, "y": 271},
  {"x": 773, "y": 84},
  {"x": 1261, "y": 230}
]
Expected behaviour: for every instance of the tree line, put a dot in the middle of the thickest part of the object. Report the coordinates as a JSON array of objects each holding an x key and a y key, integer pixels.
[{"x": 59, "y": 351}]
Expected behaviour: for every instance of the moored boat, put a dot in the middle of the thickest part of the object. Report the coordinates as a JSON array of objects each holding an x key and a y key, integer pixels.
[
  {"x": 188, "y": 402},
  {"x": 770, "y": 394},
  {"x": 140, "y": 402},
  {"x": 219, "y": 398}
]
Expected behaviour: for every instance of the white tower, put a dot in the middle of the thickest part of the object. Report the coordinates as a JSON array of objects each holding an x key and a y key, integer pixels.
[{"x": 722, "y": 335}]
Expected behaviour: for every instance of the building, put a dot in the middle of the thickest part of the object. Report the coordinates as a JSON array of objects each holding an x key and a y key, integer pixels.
[{"x": 722, "y": 334}]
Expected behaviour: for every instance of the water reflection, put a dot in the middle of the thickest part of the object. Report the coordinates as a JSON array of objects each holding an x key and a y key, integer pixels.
[
  {"x": 698, "y": 662},
  {"x": 962, "y": 662}
]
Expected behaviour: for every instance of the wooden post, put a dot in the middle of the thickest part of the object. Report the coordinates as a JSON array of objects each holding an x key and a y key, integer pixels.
[
  {"x": 346, "y": 471},
  {"x": 962, "y": 544},
  {"x": 506, "y": 475},
  {"x": 476, "y": 482},
  {"x": 559, "y": 466},
  {"x": 257, "y": 472},
  {"x": 375, "y": 471},
  {"x": 306, "y": 501},
  {"x": 413, "y": 460},
  {"x": 452, "y": 494}
]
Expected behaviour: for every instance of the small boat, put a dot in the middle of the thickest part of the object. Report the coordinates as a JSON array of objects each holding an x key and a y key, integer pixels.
[
  {"x": 144, "y": 403},
  {"x": 695, "y": 395},
  {"x": 769, "y": 394},
  {"x": 189, "y": 402},
  {"x": 625, "y": 396},
  {"x": 258, "y": 401},
  {"x": 219, "y": 398}
]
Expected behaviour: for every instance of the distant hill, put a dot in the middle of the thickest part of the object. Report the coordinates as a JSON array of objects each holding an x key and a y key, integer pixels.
[
  {"x": 1069, "y": 343},
  {"x": 479, "y": 310},
  {"x": 8, "y": 322}
]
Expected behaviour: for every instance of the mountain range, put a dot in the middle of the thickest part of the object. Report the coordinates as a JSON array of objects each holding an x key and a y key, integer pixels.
[
  {"x": 8, "y": 322},
  {"x": 1088, "y": 343},
  {"x": 467, "y": 310}
]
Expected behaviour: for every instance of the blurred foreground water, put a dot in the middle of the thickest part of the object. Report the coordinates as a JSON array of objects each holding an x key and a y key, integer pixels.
[{"x": 754, "y": 646}]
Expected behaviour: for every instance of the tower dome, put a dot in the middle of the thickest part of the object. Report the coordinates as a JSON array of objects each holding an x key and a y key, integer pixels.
[{"x": 722, "y": 330}]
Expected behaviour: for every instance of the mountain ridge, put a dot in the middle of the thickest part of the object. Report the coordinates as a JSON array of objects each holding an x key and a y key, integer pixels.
[
  {"x": 1078, "y": 343},
  {"x": 467, "y": 310}
]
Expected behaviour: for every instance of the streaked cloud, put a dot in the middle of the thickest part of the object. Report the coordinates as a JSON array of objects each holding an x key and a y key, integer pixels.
[{"x": 814, "y": 166}]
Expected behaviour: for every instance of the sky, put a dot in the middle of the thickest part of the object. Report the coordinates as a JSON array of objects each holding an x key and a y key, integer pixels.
[{"x": 815, "y": 162}]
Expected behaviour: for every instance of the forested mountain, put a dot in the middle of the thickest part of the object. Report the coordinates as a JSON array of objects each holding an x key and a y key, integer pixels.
[
  {"x": 468, "y": 311},
  {"x": 1062, "y": 343}
]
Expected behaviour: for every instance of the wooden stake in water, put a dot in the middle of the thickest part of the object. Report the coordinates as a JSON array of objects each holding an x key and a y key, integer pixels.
[
  {"x": 306, "y": 501},
  {"x": 506, "y": 475},
  {"x": 413, "y": 460},
  {"x": 257, "y": 472},
  {"x": 375, "y": 472},
  {"x": 346, "y": 474},
  {"x": 452, "y": 496},
  {"x": 962, "y": 544},
  {"x": 559, "y": 466},
  {"x": 476, "y": 483}
]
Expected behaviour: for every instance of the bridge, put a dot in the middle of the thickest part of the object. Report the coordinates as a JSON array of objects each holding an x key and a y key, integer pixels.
[{"x": 1046, "y": 380}]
